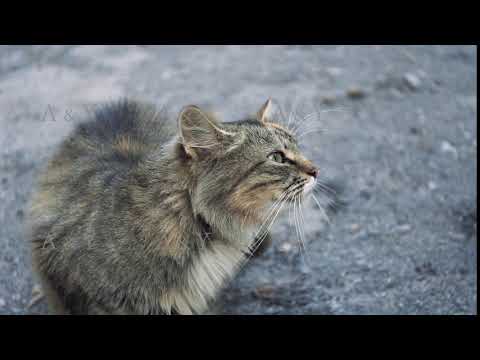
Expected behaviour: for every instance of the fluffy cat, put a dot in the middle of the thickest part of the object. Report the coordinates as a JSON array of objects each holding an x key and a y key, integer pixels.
[{"x": 133, "y": 217}]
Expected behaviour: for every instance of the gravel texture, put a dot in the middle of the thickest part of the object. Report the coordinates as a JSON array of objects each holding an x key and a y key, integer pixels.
[{"x": 401, "y": 139}]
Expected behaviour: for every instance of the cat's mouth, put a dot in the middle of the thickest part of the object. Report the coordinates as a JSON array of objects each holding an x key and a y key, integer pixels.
[
  {"x": 301, "y": 189},
  {"x": 308, "y": 187}
]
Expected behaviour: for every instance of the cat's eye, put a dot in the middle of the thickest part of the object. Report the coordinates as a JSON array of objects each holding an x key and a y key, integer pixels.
[{"x": 277, "y": 156}]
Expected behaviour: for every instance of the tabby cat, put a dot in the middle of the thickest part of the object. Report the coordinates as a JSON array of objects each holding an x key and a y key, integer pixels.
[{"x": 133, "y": 217}]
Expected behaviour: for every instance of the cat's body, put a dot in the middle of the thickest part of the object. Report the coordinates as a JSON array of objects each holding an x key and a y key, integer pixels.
[{"x": 131, "y": 219}]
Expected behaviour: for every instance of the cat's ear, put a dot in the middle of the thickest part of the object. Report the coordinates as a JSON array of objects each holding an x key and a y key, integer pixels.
[
  {"x": 265, "y": 111},
  {"x": 199, "y": 132}
]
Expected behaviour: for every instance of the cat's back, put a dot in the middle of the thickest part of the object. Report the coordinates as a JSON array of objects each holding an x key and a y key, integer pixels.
[
  {"x": 80, "y": 204},
  {"x": 93, "y": 162},
  {"x": 110, "y": 142},
  {"x": 122, "y": 132}
]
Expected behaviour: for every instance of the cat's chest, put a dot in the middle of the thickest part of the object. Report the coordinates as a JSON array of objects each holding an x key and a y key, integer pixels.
[{"x": 208, "y": 272}]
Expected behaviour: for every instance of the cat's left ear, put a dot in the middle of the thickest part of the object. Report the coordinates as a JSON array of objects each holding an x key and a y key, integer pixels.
[
  {"x": 199, "y": 132},
  {"x": 265, "y": 111}
]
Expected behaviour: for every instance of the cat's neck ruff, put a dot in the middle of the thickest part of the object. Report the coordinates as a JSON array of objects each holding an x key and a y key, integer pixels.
[
  {"x": 225, "y": 247},
  {"x": 207, "y": 274},
  {"x": 210, "y": 269}
]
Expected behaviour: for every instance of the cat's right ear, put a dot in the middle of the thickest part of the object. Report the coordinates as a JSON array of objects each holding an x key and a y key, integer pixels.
[
  {"x": 265, "y": 111},
  {"x": 199, "y": 133}
]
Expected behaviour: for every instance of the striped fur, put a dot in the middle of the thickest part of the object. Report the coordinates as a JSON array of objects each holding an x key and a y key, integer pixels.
[{"x": 132, "y": 216}]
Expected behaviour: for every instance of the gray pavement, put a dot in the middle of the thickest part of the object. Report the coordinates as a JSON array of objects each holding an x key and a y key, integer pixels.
[{"x": 402, "y": 139}]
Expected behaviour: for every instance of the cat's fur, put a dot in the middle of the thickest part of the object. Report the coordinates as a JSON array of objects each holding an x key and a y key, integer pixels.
[{"x": 133, "y": 217}]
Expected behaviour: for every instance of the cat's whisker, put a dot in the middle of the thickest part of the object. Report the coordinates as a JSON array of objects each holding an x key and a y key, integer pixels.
[
  {"x": 322, "y": 130},
  {"x": 267, "y": 221},
  {"x": 300, "y": 123},
  {"x": 296, "y": 123},
  {"x": 290, "y": 117},
  {"x": 325, "y": 188},
  {"x": 284, "y": 117},
  {"x": 266, "y": 224},
  {"x": 307, "y": 117},
  {"x": 295, "y": 218},
  {"x": 269, "y": 227},
  {"x": 310, "y": 125},
  {"x": 324, "y": 213},
  {"x": 311, "y": 118},
  {"x": 260, "y": 240},
  {"x": 271, "y": 209},
  {"x": 288, "y": 126},
  {"x": 281, "y": 118},
  {"x": 317, "y": 114},
  {"x": 290, "y": 213},
  {"x": 302, "y": 229},
  {"x": 330, "y": 199},
  {"x": 297, "y": 228},
  {"x": 308, "y": 122},
  {"x": 270, "y": 213},
  {"x": 330, "y": 110},
  {"x": 286, "y": 196},
  {"x": 282, "y": 197}
]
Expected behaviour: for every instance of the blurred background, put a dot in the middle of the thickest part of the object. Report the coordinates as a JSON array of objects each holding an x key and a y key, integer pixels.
[{"x": 401, "y": 137}]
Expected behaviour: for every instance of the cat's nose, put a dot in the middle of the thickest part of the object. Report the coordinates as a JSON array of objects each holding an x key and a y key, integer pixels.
[
  {"x": 313, "y": 171},
  {"x": 308, "y": 168}
]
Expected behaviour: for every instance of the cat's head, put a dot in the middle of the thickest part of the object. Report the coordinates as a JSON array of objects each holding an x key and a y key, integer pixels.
[{"x": 242, "y": 167}]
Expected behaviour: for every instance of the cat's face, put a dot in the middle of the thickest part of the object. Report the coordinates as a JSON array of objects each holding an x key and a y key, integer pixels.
[{"x": 244, "y": 167}]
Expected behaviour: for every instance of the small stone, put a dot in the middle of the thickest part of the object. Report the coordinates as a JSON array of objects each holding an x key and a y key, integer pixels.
[
  {"x": 334, "y": 71},
  {"x": 421, "y": 116},
  {"x": 446, "y": 147},
  {"x": 422, "y": 74},
  {"x": 4, "y": 181},
  {"x": 19, "y": 214},
  {"x": 354, "y": 228},
  {"x": 264, "y": 292},
  {"x": 286, "y": 247},
  {"x": 415, "y": 130},
  {"x": 2, "y": 303},
  {"x": 426, "y": 269},
  {"x": 412, "y": 81},
  {"x": 305, "y": 269},
  {"x": 456, "y": 236},
  {"x": 329, "y": 100},
  {"x": 467, "y": 135},
  {"x": 470, "y": 102},
  {"x": 402, "y": 229},
  {"x": 432, "y": 186},
  {"x": 356, "y": 93},
  {"x": 165, "y": 75},
  {"x": 365, "y": 195},
  {"x": 395, "y": 93}
]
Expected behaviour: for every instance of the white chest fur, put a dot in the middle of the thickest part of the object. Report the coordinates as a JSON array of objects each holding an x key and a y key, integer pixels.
[{"x": 206, "y": 275}]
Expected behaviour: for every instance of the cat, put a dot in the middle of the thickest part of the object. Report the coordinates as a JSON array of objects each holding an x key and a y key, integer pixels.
[{"x": 133, "y": 216}]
